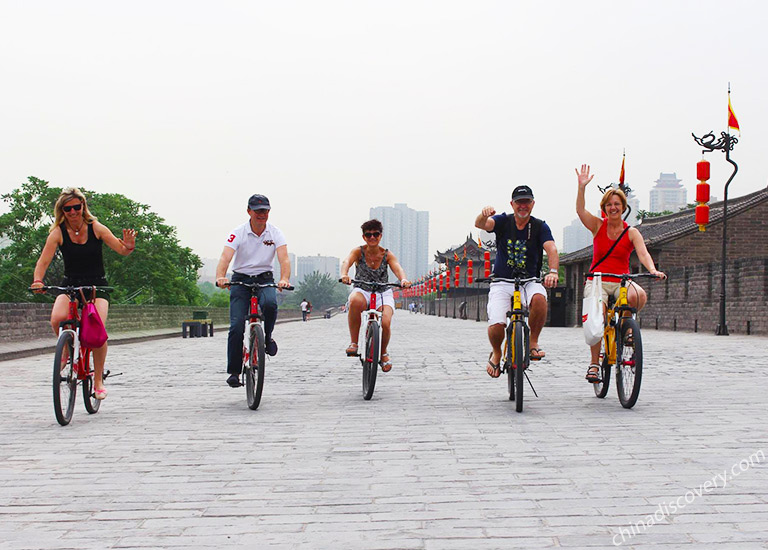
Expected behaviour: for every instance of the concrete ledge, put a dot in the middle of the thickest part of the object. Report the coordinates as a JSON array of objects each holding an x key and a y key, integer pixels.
[{"x": 41, "y": 346}]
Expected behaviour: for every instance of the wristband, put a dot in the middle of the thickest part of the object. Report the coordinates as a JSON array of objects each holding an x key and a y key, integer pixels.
[
  {"x": 553, "y": 271},
  {"x": 37, "y": 281}
]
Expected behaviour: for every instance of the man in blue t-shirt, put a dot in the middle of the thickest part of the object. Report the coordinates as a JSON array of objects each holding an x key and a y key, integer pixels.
[{"x": 520, "y": 242}]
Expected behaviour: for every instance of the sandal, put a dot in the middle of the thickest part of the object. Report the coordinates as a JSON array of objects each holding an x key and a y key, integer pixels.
[
  {"x": 493, "y": 369},
  {"x": 100, "y": 394},
  {"x": 352, "y": 350},
  {"x": 537, "y": 354},
  {"x": 386, "y": 365},
  {"x": 593, "y": 374}
]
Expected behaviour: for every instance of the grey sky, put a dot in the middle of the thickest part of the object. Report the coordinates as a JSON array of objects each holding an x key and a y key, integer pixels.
[{"x": 332, "y": 107}]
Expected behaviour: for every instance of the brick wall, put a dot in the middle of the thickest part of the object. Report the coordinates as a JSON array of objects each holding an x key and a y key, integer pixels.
[
  {"x": 28, "y": 321},
  {"x": 746, "y": 239},
  {"x": 690, "y": 299}
]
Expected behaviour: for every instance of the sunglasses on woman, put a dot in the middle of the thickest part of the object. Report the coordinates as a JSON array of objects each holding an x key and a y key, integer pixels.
[
  {"x": 372, "y": 234},
  {"x": 76, "y": 207}
]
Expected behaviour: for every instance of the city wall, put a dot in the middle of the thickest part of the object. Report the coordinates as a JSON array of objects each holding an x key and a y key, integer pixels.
[{"x": 27, "y": 321}]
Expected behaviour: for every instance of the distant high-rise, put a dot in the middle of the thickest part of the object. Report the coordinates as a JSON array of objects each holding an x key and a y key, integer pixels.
[
  {"x": 322, "y": 264},
  {"x": 668, "y": 194},
  {"x": 406, "y": 234},
  {"x": 576, "y": 237}
]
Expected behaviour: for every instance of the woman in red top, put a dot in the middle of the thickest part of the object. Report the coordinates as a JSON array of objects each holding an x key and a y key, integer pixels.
[{"x": 606, "y": 232}]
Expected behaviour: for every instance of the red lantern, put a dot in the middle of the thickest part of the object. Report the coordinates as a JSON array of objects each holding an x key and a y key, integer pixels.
[
  {"x": 702, "y": 216},
  {"x": 702, "y": 192},
  {"x": 458, "y": 276},
  {"x": 469, "y": 272},
  {"x": 702, "y": 170},
  {"x": 487, "y": 262},
  {"x": 442, "y": 284},
  {"x": 448, "y": 279}
]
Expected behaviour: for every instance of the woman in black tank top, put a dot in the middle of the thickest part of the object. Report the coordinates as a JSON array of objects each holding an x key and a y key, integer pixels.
[
  {"x": 372, "y": 261},
  {"x": 80, "y": 237}
]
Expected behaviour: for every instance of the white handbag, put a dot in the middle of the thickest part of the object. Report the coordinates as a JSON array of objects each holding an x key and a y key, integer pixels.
[{"x": 592, "y": 313}]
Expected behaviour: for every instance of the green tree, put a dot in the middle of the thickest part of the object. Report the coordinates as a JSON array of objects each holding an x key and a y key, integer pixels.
[
  {"x": 216, "y": 297},
  {"x": 159, "y": 271},
  {"x": 320, "y": 289}
]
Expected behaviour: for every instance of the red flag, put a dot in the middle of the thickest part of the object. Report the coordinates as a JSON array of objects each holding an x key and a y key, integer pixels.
[
  {"x": 732, "y": 122},
  {"x": 455, "y": 256},
  {"x": 479, "y": 243},
  {"x": 621, "y": 175}
]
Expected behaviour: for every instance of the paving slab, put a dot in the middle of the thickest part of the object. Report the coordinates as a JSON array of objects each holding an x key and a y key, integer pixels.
[{"x": 438, "y": 459}]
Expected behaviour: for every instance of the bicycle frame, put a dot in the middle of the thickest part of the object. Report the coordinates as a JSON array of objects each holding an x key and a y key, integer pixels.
[
  {"x": 367, "y": 316},
  {"x": 81, "y": 354},
  {"x": 252, "y": 317}
]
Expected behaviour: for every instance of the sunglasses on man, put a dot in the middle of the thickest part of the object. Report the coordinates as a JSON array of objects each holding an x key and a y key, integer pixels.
[{"x": 75, "y": 207}]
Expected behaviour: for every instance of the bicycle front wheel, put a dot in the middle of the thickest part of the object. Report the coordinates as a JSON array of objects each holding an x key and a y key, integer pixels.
[
  {"x": 629, "y": 363},
  {"x": 521, "y": 354},
  {"x": 64, "y": 378},
  {"x": 254, "y": 367},
  {"x": 89, "y": 399},
  {"x": 601, "y": 388},
  {"x": 370, "y": 359}
]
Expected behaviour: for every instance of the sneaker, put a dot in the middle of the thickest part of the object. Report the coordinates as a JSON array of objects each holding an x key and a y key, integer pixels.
[
  {"x": 271, "y": 348},
  {"x": 233, "y": 381}
]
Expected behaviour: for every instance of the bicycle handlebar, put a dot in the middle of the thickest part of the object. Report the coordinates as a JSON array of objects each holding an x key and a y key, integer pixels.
[
  {"x": 623, "y": 276},
  {"x": 372, "y": 283},
  {"x": 259, "y": 285},
  {"x": 516, "y": 280},
  {"x": 70, "y": 289}
]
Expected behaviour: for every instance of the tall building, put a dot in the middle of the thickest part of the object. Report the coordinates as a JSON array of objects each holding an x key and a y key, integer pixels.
[
  {"x": 668, "y": 194},
  {"x": 406, "y": 234},
  {"x": 323, "y": 264},
  {"x": 575, "y": 237}
]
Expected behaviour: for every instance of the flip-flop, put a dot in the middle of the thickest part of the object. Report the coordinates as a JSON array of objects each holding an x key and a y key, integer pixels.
[
  {"x": 494, "y": 366},
  {"x": 100, "y": 394},
  {"x": 539, "y": 354}
]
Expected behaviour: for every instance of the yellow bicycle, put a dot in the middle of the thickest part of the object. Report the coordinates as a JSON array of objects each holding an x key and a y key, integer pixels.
[
  {"x": 621, "y": 345},
  {"x": 516, "y": 349}
]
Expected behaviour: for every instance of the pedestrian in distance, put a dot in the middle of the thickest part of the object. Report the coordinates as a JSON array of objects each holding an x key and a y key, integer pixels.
[
  {"x": 521, "y": 241},
  {"x": 251, "y": 248},
  {"x": 303, "y": 307},
  {"x": 80, "y": 238}
]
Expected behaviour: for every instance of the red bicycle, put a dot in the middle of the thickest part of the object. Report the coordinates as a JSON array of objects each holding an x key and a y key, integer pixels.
[
  {"x": 252, "y": 373},
  {"x": 71, "y": 363}
]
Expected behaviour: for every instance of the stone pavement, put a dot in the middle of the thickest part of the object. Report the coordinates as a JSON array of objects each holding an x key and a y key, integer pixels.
[{"x": 437, "y": 460}]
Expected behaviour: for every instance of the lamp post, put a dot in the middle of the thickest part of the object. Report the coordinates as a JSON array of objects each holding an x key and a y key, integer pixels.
[{"x": 726, "y": 144}]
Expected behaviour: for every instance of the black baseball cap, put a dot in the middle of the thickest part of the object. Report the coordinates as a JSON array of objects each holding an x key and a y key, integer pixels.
[
  {"x": 259, "y": 202},
  {"x": 522, "y": 192}
]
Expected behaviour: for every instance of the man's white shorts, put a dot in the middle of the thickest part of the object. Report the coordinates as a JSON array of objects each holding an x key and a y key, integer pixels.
[
  {"x": 386, "y": 298},
  {"x": 500, "y": 299}
]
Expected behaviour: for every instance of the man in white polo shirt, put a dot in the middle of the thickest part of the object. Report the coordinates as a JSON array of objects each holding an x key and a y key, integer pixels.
[{"x": 253, "y": 246}]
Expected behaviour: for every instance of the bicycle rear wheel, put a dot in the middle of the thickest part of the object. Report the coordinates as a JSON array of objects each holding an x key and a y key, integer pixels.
[
  {"x": 629, "y": 363},
  {"x": 89, "y": 399},
  {"x": 508, "y": 358},
  {"x": 601, "y": 388},
  {"x": 370, "y": 359},
  {"x": 64, "y": 378},
  {"x": 254, "y": 367},
  {"x": 521, "y": 353}
]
